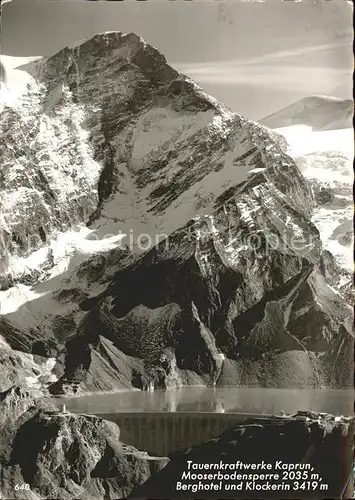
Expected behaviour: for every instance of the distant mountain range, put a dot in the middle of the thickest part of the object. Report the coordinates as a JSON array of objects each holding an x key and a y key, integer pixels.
[
  {"x": 319, "y": 131},
  {"x": 318, "y": 112}
]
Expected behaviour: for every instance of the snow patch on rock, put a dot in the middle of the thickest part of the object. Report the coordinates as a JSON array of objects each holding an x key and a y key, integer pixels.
[{"x": 326, "y": 160}]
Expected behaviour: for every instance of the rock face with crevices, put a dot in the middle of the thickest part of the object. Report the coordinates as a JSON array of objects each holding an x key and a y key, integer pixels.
[
  {"x": 231, "y": 314},
  {"x": 174, "y": 242},
  {"x": 65, "y": 456}
]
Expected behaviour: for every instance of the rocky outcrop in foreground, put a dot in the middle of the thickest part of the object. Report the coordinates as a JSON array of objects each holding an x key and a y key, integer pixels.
[
  {"x": 66, "y": 456},
  {"x": 323, "y": 442}
]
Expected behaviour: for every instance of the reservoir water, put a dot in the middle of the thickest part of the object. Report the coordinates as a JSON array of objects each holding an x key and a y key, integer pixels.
[{"x": 219, "y": 400}]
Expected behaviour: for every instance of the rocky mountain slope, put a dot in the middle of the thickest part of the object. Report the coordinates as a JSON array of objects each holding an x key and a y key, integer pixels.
[
  {"x": 66, "y": 456},
  {"x": 326, "y": 159},
  {"x": 150, "y": 237}
]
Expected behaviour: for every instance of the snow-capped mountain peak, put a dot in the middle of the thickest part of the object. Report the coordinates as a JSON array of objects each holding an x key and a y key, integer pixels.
[
  {"x": 319, "y": 112},
  {"x": 161, "y": 218}
]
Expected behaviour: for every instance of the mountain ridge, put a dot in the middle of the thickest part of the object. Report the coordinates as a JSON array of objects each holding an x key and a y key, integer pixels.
[
  {"x": 214, "y": 194},
  {"x": 318, "y": 111}
]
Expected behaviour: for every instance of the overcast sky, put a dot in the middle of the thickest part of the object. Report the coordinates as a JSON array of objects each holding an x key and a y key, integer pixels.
[{"x": 256, "y": 57}]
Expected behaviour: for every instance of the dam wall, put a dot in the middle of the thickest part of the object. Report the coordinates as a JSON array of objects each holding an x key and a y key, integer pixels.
[{"x": 162, "y": 433}]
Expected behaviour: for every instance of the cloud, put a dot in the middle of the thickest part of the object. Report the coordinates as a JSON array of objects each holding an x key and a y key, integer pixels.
[
  {"x": 296, "y": 69},
  {"x": 294, "y": 55},
  {"x": 285, "y": 77},
  {"x": 299, "y": 52}
]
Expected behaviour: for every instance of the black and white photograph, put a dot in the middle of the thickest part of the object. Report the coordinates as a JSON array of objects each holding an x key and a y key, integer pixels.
[{"x": 176, "y": 250}]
